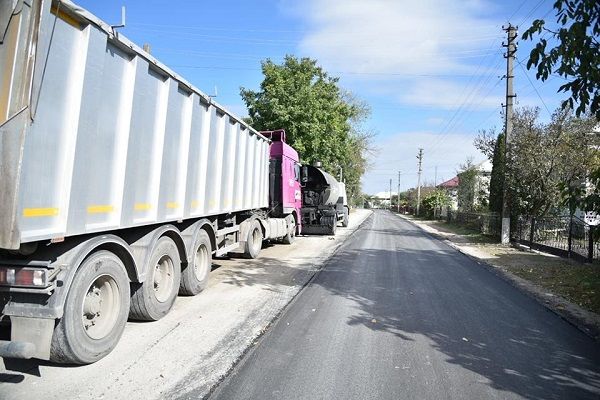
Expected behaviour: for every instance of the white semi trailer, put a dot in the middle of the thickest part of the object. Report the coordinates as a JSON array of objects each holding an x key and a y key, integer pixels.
[{"x": 119, "y": 181}]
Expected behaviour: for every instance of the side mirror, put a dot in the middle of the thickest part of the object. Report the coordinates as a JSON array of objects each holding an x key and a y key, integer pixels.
[{"x": 304, "y": 175}]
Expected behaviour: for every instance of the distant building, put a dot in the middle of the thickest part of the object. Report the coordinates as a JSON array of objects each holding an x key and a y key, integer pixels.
[
  {"x": 382, "y": 199},
  {"x": 451, "y": 187},
  {"x": 481, "y": 187}
]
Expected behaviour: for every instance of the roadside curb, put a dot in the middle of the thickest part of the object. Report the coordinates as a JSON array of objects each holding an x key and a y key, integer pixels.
[{"x": 586, "y": 321}]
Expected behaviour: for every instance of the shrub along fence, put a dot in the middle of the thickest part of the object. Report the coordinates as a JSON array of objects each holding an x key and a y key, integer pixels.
[
  {"x": 486, "y": 223},
  {"x": 564, "y": 236}
]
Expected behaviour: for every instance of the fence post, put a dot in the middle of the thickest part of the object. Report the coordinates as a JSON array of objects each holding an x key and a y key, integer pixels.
[
  {"x": 531, "y": 232},
  {"x": 591, "y": 243},
  {"x": 569, "y": 239}
]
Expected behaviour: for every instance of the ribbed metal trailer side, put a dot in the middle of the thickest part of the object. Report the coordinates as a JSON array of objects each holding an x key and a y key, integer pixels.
[
  {"x": 119, "y": 182},
  {"x": 118, "y": 140}
]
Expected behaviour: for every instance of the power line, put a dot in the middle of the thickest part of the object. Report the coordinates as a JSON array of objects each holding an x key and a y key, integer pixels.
[
  {"x": 217, "y": 67},
  {"x": 534, "y": 88},
  {"x": 462, "y": 110},
  {"x": 534, "y": 9},
  {"x": 517, "y": 9}
]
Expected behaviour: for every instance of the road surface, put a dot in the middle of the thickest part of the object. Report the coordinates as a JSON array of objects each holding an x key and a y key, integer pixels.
[
  {"x": 397, "y": 314},
  {"x": 197, "y": 343}
]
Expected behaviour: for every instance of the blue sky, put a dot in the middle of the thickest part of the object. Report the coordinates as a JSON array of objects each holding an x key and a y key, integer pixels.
[{"x": 430, "y": 70}]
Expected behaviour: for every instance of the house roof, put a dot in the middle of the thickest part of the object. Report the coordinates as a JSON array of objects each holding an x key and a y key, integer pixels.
[{"x": 449, "y": 184}]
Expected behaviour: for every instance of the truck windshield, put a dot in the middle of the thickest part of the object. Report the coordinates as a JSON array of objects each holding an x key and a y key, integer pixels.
[{"x": 16, "y": 18}]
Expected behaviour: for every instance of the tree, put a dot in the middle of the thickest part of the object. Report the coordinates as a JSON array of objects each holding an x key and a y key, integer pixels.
[
  {"x": 434, "y": 201},
  {"x": 497, "y": 178},
  {"x": 576, "y": 56},
  {"x": 544, "y": 159},
  {"x": 322, "y": 122},
  {"x": 467, "y": 180}
]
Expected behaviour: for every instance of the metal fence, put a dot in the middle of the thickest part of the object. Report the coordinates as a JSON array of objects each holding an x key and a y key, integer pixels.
[
  {"x": 486, "y": 223},
  {"x": 564, "y": 236}
]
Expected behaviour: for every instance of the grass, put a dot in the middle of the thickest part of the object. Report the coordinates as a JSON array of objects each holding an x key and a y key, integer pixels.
[
  {"x": 471, "y": 235},
  {"x": 579, "y": 284}
]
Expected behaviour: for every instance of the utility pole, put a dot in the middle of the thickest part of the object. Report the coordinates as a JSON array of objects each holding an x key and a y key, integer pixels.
[
  {"x": 420, "y": 158},
  {"x": 390, "y": 193},
  {"x": 511, "y": 49},
  {"x": 435, "y": 206},
  {"x": 399, "y": 191}
]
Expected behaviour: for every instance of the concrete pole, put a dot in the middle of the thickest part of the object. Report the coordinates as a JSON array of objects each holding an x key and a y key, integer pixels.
[
  {"x": 420, "y": 158},
  {"x": 511, "y": 49},
  {"x": 390, "y": 194},
  {"x": 399, "y": 191}
]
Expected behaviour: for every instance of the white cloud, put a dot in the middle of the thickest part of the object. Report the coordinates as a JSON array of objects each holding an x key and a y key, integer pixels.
[
  {"x": 430, "y": 36},
  {"x": 446, "y": 94},
  {"x": 401, "y": 45},
  {"x": 398, "y": 153}
]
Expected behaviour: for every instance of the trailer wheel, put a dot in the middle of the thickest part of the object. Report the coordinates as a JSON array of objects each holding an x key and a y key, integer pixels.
[
  {"x": 194, "y": 278},
  {"x": 254, "y": 240},
  {"x": 154, "y": 298},
  {"x": 291, "y": 235},
  {"x": 346, "y": 219},
  {"x": 95, "y": 311}
]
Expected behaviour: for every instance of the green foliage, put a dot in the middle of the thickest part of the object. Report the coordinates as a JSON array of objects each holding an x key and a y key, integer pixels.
[
  {"x": 547, "y": 164},
  {"x": 434, "y": 201},
  {"x": 497, "y": 178},
  {"x": 576, "y": 56},
  {"x": 467, "y": 181},
  {"x": 584, "y": 193},
  {"x": 321, "y": 121}
]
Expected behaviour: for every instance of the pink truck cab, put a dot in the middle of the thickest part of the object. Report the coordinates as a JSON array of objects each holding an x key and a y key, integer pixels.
[{"x": 285, "y": 192}]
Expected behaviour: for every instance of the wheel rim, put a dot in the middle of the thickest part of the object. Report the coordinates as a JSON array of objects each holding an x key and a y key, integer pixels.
[
  {"x": 201, "y": 263},
  {"x": 164, "y": 272},
  {"x": 101, "y": 306}
]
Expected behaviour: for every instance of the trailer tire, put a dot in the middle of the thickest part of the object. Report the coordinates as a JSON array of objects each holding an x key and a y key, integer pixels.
[
  {"x": 290, "y": 237},
  {"x": 95, "y": 311},
  {"x": 194, "y": 278},
  {"x": 153, "y": 299},
  {"x": 346, "y": 219},
  {"x": 253, "y": 241}
]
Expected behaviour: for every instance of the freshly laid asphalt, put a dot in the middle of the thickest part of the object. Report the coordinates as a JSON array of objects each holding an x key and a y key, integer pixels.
[{"x": 397, "y": 314}]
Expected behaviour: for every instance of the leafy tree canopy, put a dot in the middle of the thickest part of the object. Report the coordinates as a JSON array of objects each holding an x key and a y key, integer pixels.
[
  {"x": 576, "y": 55},
  {"x": 434, "y": 201},
  {"x": 322, "y": 122},
  {"x": 545, "y": 159}
]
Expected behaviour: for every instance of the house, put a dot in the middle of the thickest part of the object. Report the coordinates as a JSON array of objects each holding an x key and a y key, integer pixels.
[
  {"x": 451, "y": 187},
  {"x": 382, "y": 199},
  {"x": 480, "y": 190}
]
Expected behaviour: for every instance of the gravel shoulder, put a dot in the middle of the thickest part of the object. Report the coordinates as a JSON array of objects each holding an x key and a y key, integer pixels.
[
  {"x": 528, "y": 271},
  {"x": 196, "y": 345}
]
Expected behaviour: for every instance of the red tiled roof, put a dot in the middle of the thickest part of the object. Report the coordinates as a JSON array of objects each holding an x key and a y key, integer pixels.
[{"x": 452, "y": 183}]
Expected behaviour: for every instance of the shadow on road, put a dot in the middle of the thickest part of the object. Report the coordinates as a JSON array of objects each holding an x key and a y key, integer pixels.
[{"x": 416, "y": 287}]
